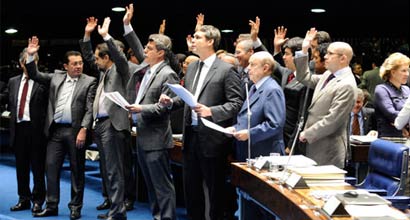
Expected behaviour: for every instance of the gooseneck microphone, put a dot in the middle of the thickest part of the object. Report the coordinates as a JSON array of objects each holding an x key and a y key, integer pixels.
[{"x": 249, "y": 113}]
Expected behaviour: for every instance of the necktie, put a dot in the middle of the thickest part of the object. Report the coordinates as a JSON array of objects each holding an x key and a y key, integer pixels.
[
  {"x": 141, "y": 74},
  {"x": 201, "y": 64},
  {"x": 355, "y": 125},
  {"x": 291, "y": 76},
  {"x": 62, "y": 100},
  {"x": 253, "y": 90},
  {"x": 97, "y": 96},
  {"x": 144, "y": 83},
  {"x": 23, "y": 99},
  {"x": 331, "y": 76}
]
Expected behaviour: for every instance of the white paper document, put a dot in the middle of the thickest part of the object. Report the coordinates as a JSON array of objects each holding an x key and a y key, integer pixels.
[
  {"x": 184, "y": 94},
  {"x": 214, "y": 126},
  {"x": 117, "y": 98}
]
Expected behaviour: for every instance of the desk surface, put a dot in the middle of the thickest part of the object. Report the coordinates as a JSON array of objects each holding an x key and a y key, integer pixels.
[{"x": 285, "y": 202}]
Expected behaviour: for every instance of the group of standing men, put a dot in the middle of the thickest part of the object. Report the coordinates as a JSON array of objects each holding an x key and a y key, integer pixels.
[{"x": 77, "y": 104}]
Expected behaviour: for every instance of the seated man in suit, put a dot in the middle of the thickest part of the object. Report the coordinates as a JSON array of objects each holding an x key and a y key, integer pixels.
[{"x": 365, "y": 122}]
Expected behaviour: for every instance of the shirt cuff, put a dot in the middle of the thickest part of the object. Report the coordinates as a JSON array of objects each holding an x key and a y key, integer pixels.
[{"x": 127, "y": 29}]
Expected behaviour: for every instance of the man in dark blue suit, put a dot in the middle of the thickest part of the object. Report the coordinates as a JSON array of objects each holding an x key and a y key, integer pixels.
[
  {"x": 27, "y": 137},
  {"x": 267, "y": 104}
]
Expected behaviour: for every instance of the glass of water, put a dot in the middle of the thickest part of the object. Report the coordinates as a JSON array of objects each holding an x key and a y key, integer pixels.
[{"x": 274, "y": 162}]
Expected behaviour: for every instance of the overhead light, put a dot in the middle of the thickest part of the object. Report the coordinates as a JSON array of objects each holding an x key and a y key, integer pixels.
[
  {"x": 227, "y": 31},
  {"x": 118, "y": 9},
  {"x": 11, "y": 31},
  {"x": 317, "y": 10}
]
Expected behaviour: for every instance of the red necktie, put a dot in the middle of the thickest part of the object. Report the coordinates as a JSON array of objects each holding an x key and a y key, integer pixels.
[
  {"x": 355, "y": 125},
  {"x": 23, "y": 99},
  {"x": 290, "y": 77}
]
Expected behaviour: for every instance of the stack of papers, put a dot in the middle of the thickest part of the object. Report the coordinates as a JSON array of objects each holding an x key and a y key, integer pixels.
[
  {"x": 321, "y": 175},
  {"x": 362, "y": 139}
]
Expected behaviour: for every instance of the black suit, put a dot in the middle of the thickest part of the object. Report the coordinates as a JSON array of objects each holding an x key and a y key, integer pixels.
[
  {"x": 205, "y": 150},
  {"x": 62, "y": 137},
  {"x": 28, "y": 140}
]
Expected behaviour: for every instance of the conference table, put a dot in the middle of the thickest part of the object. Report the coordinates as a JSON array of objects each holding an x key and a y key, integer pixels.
[{"x": 284, "y": 202}]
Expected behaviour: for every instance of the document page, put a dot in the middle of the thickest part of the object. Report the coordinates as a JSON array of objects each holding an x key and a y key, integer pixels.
[
  {"x": 184, "y": 94},
  {"x": 214, "y": 126},
  {"x": 117, "y": 98}
]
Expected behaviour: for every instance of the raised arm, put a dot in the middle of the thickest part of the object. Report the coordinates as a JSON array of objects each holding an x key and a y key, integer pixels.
[
  {"x": 32, "y": 48},
  {"x": 130, "y": 35},
  {"x": 162, "y": 27}
]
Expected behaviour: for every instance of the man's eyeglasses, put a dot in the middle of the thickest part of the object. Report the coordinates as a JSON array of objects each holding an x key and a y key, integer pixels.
[{"x": 333, "y": 53}]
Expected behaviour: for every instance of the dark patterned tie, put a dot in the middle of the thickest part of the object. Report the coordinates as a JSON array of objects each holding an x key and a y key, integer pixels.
[
  {"x": 355, "y": 125},
  {"x": 331, "y": 76},
  {"x": 23, "y": 99},
  {"x": 201, "y": 64}
]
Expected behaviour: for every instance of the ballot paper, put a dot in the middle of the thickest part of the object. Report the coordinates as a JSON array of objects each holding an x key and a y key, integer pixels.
[
  {"x": 184, "y": 94},
  {"x": 117, "y": 98},
  {"x": 214, "y": 126}
]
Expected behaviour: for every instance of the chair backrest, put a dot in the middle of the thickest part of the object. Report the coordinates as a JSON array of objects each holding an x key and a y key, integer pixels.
[{"x": 388, "y": 165}]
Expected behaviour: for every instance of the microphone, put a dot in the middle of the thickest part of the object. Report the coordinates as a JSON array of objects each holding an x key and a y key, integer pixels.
[{"x": 249, "y": 113}]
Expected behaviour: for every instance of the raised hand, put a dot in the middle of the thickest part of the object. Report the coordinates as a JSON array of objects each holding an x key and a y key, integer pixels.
[
  {"x": 128, "y": 14},
  {"x": 103, "y": 30},
  {"x": 189, "y": 42},
  {"x": 280, "y": 36},
  {"x": 162, "y": 27},
  {"x": 199, "y": 21},
  {"x": 91, "y": 24},
  {"x": 310, "y": 34},
  {"x": 33, "y": 46},
  {"x": 255, "y": 28}
]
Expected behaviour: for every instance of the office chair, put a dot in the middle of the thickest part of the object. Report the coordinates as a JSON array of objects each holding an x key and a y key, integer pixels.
[{"x": 388, "y": 166}]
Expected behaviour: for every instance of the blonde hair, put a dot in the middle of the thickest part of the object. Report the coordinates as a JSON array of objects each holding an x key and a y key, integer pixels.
[{"x": 393, "y": 62}]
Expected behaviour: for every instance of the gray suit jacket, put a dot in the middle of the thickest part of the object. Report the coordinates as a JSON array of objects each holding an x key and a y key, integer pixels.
[
  {"x": 153, "y": 123},
  {"x": 116, "y": 80},
  {"x": 328, "y": 114},
  {"x": 82, "y": 100}
]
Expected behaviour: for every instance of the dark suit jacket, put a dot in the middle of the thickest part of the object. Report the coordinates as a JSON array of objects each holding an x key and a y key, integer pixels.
[
  {"x": 369, "y": 120},
  {"x": 267, "y": 121},
  {"x": 38, "y": 106},
  {"x": 116, "y": 80},
  {"x": 221, "y": 91},
  {"x": 82, "y": 100}
]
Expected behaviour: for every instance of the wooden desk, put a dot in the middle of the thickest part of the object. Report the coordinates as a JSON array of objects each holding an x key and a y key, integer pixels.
[{"x": 284, "y": 202}]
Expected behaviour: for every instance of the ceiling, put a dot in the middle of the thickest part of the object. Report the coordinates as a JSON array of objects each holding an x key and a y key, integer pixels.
[{"x": 59, "y": 24}]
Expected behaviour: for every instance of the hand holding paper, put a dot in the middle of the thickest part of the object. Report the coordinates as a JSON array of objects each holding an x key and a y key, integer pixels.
[
  {"x": 117, "y": 98},
  {"x": 214, "y": 126},
  {"x": 184, "y": 94}
]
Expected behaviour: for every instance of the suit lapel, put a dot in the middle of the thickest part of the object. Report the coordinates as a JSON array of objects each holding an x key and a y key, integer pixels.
[
  {"x": 212, "y": 71},
  {"x": 152, "y": 79},
  {"x": 16, "y": 90}
]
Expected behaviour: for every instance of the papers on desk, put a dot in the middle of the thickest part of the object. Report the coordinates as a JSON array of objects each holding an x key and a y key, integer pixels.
[
  {"x": 384, "y": 212},
  {"x": 320, "y": 172},
  {"x": 328, "y": 175},
  {"x": 214, "y": 126},
  {"x": 117, "y": 98},
  {"x": 362, "y": 139},
  {"x": 184, "y": 94}
]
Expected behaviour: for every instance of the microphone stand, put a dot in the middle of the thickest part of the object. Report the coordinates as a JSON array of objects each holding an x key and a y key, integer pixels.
[
  {"x": 249, "y": 113},
  {"x": 301, "y": 123}
]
